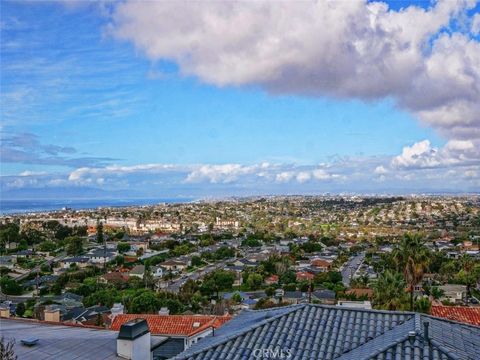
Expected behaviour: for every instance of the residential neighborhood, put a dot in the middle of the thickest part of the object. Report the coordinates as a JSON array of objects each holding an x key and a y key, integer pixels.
[{"x": 65, "y": 268}]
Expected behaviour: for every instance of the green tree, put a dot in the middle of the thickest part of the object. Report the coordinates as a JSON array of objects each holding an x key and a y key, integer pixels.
[
  {"x": 423, "y": 305},
  {"x": 288, "y": 277},
  {"x": 254, "y": 281},
  {"x": 197, "y": 261},
  {"x": 8, "y": 233},
  {"x": 20, "y": 309},
  {"x": 74, "y": 245},
  {"x": 412, "y": 257},
  {"x": 469, "y": 273},
  {"x": 216, "y": 281},
  {"x": 100, "y": 236},
  {"x": 145, "y": 303},
  {"x": 389, "y": 291},
  {"x": 123, "y": 247},
  {"x": 47, "y": 246},
  {"x": 10, "y": 286},
  {"x": 119, "y": 260},
  {"x": 237, "y": 298},
  {"x": 104, "y": 297},
  {"x": 32, "y": 236}
]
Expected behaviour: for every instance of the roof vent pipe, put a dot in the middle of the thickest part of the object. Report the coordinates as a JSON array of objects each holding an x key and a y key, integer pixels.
[
  {"x": 426, "y": 334},
  {"x": 411, "y": 336}
]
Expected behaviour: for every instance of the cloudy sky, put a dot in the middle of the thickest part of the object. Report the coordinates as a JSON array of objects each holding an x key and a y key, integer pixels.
[{"x": 177, "y": 99}]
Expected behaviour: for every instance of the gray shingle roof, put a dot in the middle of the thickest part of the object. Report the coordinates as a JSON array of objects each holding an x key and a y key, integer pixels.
[{"x": 329, "y": 332}]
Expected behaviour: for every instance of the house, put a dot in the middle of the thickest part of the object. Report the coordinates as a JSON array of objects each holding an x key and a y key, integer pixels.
[
  {"x": 23, "y": 254},
  {"x": 100, "y": 255},
  {"x": 77, "y": 315},
  {"x": 137, "y": 271},
  {"x": 80, "y": 261},
  {"x": 324, "y": 296},
  {"x": 453, "y": 293},
  {"x": 174, "y": 265},
  {"x": 7, "y": 261},
  {"x": 41, "y": 280},
  {"x": 294, "y": 297},
  {"x": 271, "y": 280},
  {"x": 244, "y": 262},
  {"x": 464, "y": 314},
  {"x": 157, "y": 271},
  {"x": 321, "y": 264},
  {"x": 309, "y": 331},
  {"x": 304, "y": 276},
  {"x": 366, "y": 305},
  {"x": 183, "y": 330},
  {"x": 114, "y": 277}
]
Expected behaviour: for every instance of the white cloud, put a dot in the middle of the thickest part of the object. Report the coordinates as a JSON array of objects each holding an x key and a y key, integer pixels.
[
  {"x": 226, "y": 173},
  {"x": 423, "y": 155},
  {"x": 284, "y": 176},
  {"x": 321, "y": 174},
  {"x": 303, "y": 176},
  {"x": 32, "y": 173},
  {"x": 83, "y": 173},
  {"x": 453, "y": 166},
  {"x": 346, "y": 49},
  {"x": 380, "y": 170},
  {"x": 476, "y": 24}
]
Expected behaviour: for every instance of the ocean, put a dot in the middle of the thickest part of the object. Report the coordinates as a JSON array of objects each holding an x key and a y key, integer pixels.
[{"x": 27, "y": 206}]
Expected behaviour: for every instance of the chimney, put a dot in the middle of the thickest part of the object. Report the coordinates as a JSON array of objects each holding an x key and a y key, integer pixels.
[
  {"x": 133, "y": 341},
  {"x": 4, "y": 311},
  {"x": 426, "y": 334},
  {"x": 164, "y": 311},
  {"x": 117, "y": 309},
  {"x": 51, "y": 314}
]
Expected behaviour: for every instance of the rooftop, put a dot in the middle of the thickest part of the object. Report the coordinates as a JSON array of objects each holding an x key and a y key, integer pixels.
[
  {"x": 469, "y": 315},
  {"x": 59, "y": 342},
  {"x": 183, "y": 325},
  {"x": 327, "y": 332}
]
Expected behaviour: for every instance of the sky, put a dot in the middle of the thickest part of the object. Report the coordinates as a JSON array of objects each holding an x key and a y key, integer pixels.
[{"x": 137, "y": 99}]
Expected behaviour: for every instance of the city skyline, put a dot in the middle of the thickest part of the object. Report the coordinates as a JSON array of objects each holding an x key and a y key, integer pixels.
[{"x": 244, "y": 98}]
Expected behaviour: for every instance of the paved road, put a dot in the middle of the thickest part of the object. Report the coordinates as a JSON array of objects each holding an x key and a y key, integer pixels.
[
  {"x": 37, "y": 268},
  {"x": 198, "y": 274},
  {"x": 350, "y": 267}
]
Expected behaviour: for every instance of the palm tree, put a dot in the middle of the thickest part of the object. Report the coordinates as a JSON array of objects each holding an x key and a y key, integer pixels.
[
  {"x": 412, "y": 258},
  {"x": 469, "y": 273},
  {"x": 389, "y": 291}
]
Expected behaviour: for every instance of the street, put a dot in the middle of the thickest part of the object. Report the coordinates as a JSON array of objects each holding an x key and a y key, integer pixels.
[{"x": 350, "y": 267}]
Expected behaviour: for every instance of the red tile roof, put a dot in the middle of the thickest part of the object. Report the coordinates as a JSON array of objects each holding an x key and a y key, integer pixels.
[
  {"x": 469, "y": 315},
  {"x": 321, "y": 263},
  {"x": 304, "y": 276},
  {"x": 182, "y": 325}
]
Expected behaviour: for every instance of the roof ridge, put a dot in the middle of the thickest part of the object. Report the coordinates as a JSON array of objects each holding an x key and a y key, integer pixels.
[
  {"x": 387, "y": 337},
  {"x": 376, "y": 311},
  {"x": 247, "y": 329}
]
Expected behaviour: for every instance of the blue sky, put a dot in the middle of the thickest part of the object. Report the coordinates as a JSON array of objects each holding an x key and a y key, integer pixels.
[{"x": 82, "y": 91}]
